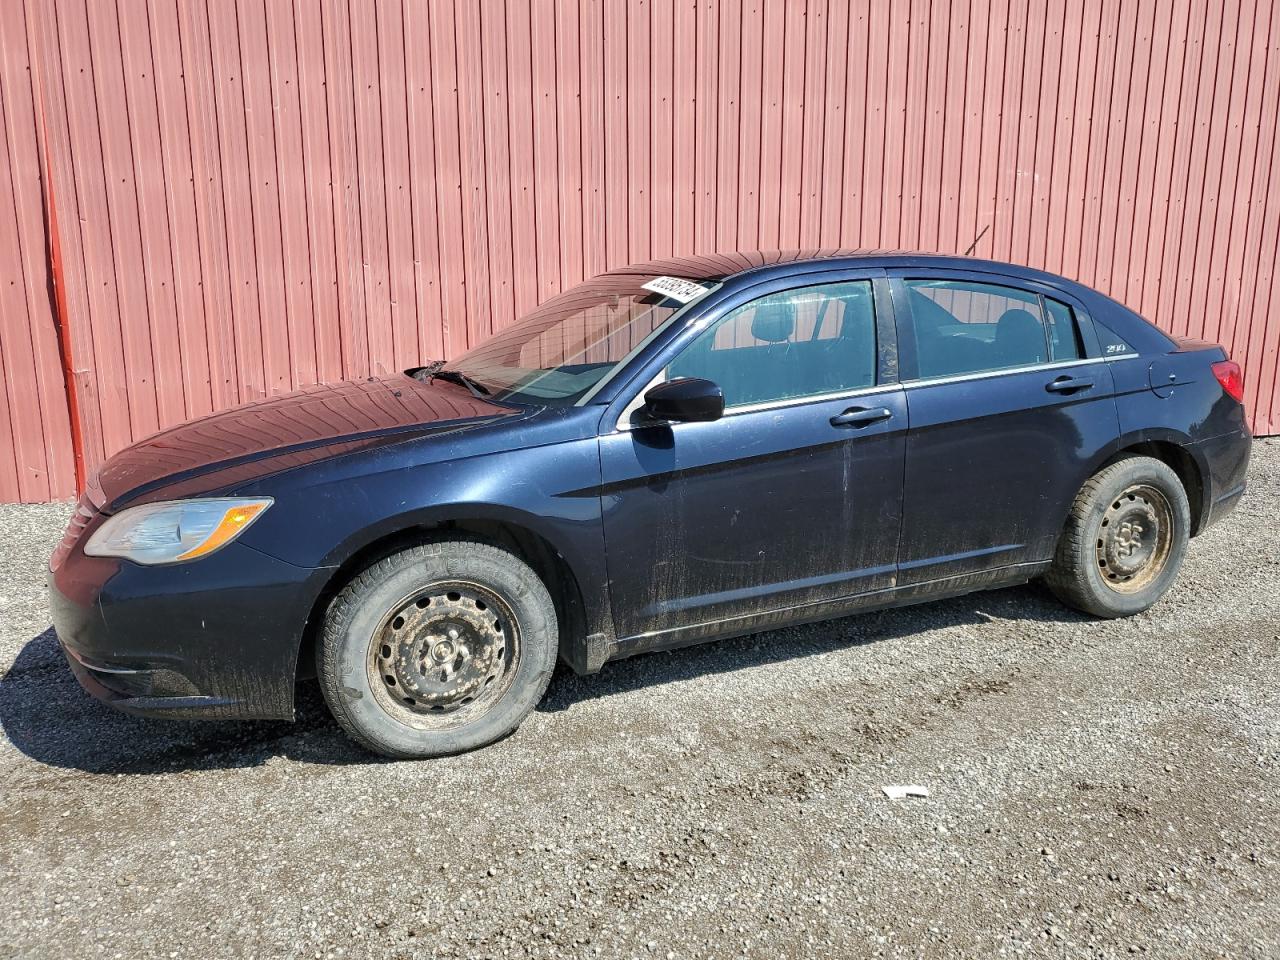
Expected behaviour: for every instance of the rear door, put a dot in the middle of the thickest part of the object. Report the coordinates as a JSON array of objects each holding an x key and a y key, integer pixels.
[
  {"x": 792, "y": 497},
  {"x": 1008, "y": 411}
]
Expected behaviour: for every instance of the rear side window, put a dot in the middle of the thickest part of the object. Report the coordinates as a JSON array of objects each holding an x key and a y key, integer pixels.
[
  {"x": 799, "y": 343},
  {"x": 963, "y": 327}
]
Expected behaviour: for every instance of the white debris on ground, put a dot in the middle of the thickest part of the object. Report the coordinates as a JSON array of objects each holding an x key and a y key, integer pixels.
[{"x": 902, "y": 792}]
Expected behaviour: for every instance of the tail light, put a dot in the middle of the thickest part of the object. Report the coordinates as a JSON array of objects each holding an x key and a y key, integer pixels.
[{"x": 1232, "y": 379}]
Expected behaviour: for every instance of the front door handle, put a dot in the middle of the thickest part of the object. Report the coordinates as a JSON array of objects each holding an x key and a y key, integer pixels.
[
  {"x": 859, "y": 417},
  {"x": 1069, "y": 384}
]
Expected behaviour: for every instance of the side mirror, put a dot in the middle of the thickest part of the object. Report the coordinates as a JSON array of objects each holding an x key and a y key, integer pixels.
[{"x": 686, "y": 400}]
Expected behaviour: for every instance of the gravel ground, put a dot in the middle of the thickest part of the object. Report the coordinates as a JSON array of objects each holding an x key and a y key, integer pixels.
[{"x": 1098, "y": 789}]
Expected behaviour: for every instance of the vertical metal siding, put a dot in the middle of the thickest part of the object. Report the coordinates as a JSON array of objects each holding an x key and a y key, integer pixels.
[
  {"x": 35, "y": 451},
  {"x": 260, "y": 194}
]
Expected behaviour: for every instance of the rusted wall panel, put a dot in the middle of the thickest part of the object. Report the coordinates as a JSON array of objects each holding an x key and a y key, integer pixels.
[
  {"x": 35, "y": 447},
  {"x": 259, "y": 194}
]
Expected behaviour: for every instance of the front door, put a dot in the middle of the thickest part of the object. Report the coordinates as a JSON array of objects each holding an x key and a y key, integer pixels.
[
  {"x": 790, "y": 499},
  {"x": 1007, "y": 415}
]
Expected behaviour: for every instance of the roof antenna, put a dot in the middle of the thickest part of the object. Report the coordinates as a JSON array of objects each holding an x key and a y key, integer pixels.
[{"x": 977, "y": 238}]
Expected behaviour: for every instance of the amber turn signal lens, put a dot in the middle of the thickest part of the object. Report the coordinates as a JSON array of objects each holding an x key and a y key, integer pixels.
[{"x": 228, "y": 528}]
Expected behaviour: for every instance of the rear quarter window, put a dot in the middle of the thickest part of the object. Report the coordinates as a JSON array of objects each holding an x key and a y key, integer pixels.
[{"x": 1112, "y": 344}]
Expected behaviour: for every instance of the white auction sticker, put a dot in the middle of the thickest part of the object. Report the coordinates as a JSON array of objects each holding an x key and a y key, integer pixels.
[{"x": 677, "y": 288}]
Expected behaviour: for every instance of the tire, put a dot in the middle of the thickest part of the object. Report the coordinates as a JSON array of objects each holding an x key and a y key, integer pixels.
[
  {"x": 1124, "y": 539},
  {"x": 437, "y": 649}
]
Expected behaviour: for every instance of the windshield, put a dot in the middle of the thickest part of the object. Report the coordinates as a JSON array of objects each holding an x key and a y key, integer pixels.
[{"x": 568, "y": 344}]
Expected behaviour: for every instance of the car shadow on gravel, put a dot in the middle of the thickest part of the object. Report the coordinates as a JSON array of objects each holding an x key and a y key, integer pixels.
[
  {"x": 1031, "y": 603},
  {"x": 45, "y": 714}
]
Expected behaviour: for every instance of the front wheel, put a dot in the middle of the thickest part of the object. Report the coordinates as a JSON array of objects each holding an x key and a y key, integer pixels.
[
  {"x": 1124, "y": 540},
  {"x": 437, "y": 649}
]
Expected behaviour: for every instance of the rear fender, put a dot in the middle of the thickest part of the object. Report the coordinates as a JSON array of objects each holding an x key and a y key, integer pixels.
[{"x": 1177, "y": 449}]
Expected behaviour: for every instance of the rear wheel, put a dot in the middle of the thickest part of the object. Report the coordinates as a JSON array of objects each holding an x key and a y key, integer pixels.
[
  {"x": 1124, "y": 540},
  {"x": 437, "y": 649}
]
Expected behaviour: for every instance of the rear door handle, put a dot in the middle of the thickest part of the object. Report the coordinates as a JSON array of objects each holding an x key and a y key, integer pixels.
[
  {"x": 859, "y": 417},
  {"x": 1069, "y": 384}
]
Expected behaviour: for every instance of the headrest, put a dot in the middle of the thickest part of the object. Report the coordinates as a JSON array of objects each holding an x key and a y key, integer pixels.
[
  {"x": 774, "y": 322},
  {"x": 1022, "y": 331},
  {"x": 1018, "y": 319},
  {"x": 857, "y": 318}
]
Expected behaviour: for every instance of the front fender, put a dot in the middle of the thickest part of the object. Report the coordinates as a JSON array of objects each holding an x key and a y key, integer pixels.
[{"x": 324, "y": 516}]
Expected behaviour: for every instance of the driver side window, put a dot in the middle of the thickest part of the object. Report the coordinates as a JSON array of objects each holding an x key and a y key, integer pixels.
[{"x": 798, "y": 343}]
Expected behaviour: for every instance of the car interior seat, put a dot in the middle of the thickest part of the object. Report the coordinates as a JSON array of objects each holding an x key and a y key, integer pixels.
[
  {"x": 1019, "y": 339},
  {"x": 848, "y": 359},
  {"x": 771, "y": 368}
]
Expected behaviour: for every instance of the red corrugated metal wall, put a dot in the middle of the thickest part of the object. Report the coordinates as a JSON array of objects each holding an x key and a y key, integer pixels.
[{"x": 258, "y": 194}]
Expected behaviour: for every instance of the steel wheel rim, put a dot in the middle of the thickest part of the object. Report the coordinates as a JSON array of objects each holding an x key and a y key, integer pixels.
[
  {"x": 444, "y": 655},
  {"x": 1135, "y": 538}
]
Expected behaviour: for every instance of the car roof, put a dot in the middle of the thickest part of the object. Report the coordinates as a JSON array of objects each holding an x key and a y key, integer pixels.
[
  {"x": 721, "y": 266},
  {"x": 759, "y": 264}
]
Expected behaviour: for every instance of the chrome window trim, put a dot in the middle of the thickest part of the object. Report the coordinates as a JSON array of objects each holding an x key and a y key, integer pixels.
[
  {"x": 1003, "y": 371},
  {"x": 622, "y": 426},
  {"x": 811, "y": 398}
]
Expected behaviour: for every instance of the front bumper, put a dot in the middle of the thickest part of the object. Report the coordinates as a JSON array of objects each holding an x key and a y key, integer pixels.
[
  {"x": 145, "y": 689},
  {"x": 215, "y": 638}
]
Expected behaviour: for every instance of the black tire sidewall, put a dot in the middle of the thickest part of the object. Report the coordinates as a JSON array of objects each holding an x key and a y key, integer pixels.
[
  {"x": 1117, "y": 478},
  {"x": 362, "y": 608}
]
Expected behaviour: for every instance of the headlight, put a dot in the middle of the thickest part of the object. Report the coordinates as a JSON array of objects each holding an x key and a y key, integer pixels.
[{"x": 175, "y": 530}]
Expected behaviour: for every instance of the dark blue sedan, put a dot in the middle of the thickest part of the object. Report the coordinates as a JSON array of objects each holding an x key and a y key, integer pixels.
[{"x": 669, "y": 453}]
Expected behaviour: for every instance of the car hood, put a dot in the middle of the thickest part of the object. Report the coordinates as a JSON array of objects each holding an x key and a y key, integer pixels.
[{"x": 282, "y": 432}]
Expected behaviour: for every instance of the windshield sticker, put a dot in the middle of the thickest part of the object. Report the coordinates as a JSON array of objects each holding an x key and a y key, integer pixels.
[{"x": 677, "y": 288}]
